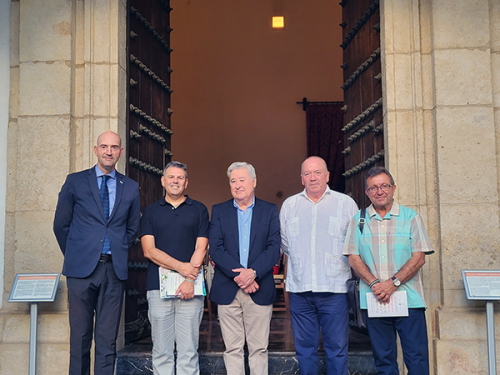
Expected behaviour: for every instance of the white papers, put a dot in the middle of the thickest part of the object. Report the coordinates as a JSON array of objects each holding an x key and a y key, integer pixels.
[
  {"x": 397, "y": 306},
  {"x": 170, "y": 281}
]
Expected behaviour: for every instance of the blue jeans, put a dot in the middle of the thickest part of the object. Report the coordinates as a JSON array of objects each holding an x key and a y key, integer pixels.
[
  {"x": 175, "y": 321},
  {"x": 412, "y": 330},
  {"x": 310, "y": 312}
]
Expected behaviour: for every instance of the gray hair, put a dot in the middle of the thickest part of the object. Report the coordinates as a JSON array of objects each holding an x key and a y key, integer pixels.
[
  {"x": 176, "y": 164},
  {"x": 375, "y": 171},
  {"x": 241, "y": 165}
]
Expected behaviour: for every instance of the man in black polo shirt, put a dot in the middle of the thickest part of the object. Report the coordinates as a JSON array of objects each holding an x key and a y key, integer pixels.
[{"x": 174, "y": 235}]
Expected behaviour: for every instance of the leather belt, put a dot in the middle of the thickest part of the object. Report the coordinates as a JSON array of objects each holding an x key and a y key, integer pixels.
[{"x": 105, "y": 258}]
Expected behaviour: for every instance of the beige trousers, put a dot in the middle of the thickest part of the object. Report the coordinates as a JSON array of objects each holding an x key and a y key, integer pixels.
[{"x": 244, "y": 319}]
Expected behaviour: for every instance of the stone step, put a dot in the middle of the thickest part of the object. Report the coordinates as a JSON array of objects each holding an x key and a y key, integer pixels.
[{"x": 135, "y": 359}]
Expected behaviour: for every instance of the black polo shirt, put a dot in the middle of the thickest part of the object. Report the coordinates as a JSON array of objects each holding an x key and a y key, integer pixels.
[{"x": 175, "y": 231}]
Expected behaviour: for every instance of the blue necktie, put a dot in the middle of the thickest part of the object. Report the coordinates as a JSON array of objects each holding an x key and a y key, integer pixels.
[{"x": 104, "y": 195}]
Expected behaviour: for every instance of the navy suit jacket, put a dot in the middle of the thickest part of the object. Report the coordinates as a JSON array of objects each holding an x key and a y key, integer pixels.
[
  {"x": 224, "y": 250},
  {"x": 80, "y": 227}
]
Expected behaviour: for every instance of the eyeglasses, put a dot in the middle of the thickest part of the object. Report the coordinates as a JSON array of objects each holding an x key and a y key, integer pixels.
[{"x": 384, "y": 187}]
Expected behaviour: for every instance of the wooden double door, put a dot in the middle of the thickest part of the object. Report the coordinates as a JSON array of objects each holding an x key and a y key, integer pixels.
[
  {"x": 363, "y": 122},
  {"x": 149, "y": 127}
]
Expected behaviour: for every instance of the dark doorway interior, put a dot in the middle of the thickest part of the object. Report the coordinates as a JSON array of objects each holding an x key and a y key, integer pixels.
[{"x": 325, "y": 138}]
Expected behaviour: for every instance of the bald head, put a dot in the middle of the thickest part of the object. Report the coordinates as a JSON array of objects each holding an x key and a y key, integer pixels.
[
  {"x": 108, "y": 150},
  {"x": 110, "y": 133},
  {"x": 315, "y": 176},
  {"x": 313, "y": 159}
]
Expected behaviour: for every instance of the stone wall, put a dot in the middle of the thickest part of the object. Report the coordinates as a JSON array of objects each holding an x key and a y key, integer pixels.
[
  {"x": 441, "y": 76},
  {"x": 441, "y": 85},
  {"x": 68, "y": 77},
  {"x": 4, "y": 119}
]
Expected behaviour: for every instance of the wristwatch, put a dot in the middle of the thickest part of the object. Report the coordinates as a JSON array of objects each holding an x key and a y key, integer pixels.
[
  {"x": 254, "y": 274},
  {"x": 395, "y": 281}
]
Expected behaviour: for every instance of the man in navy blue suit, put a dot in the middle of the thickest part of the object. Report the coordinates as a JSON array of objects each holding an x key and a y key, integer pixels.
[
  {"x": 245, "y": 245},
  {"x": 96, "y": 221}
]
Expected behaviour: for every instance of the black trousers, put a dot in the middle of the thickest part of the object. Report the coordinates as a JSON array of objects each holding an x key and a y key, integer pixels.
[{"x": 95, "y": 306}]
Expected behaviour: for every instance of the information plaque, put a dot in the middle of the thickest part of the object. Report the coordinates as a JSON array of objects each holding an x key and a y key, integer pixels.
[
  {"x": 485, "y": 285},
  {"x": 482, "y": 284},
  {"x": 34, "y": 287}
]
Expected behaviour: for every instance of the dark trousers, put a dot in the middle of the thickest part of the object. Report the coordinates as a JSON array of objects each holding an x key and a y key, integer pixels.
[
  {"x": 412, "y": 332},
  {"x": 311, "y": 311},
  {"x": 95, "y": 306}
]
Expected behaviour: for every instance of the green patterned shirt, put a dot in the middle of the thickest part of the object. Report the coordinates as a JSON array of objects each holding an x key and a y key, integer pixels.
[{"x": 385, "y": 246}]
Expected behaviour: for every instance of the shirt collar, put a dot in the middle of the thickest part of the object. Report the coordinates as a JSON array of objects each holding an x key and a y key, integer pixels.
[
  {"x": 393, "y": 212},
  {"x": 327, "y": 191},
  {"x": 100, "y": 173},
  {"x": 238, "y": 207},
  {"x": 188, "y": 201}
]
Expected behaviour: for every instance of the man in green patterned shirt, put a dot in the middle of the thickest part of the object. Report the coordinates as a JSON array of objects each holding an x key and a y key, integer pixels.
[{"x": 387, "y": 255}]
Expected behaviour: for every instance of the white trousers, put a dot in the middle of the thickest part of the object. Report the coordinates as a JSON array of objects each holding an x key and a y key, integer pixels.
[{"x": 175, "y": 322}]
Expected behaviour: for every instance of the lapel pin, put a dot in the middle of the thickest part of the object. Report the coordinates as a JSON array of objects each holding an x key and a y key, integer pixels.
[{"x": 121, "y": 182}]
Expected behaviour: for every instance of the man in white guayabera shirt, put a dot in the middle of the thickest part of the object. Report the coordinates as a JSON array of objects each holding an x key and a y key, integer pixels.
[{"x": 313, "y": 227}]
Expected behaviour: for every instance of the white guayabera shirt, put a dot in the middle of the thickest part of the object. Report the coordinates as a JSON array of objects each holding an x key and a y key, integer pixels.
[{"x": 313, "y": 235}]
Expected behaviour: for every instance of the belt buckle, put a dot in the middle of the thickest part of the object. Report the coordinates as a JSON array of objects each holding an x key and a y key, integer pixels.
[{"x": 105, "y": 258}]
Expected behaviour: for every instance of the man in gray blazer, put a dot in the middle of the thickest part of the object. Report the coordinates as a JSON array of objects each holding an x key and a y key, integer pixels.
[{"x": 96, "y": 221}]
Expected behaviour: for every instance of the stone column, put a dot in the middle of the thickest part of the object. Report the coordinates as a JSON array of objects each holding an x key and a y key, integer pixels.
[
  {"x": 465, "y": 63},
  {"x": 38, "y": 145},
  {"x": 99, "y": 68},
  {"x": 4, "y": 119},
  {"x": 409, "y": 126},
  {"x": 68, "y": 84},
  {"x": 441, "y": 97}
]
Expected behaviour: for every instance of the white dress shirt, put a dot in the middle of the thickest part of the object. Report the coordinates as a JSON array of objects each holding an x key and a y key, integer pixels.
[{"x": 313, "y": 235}]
